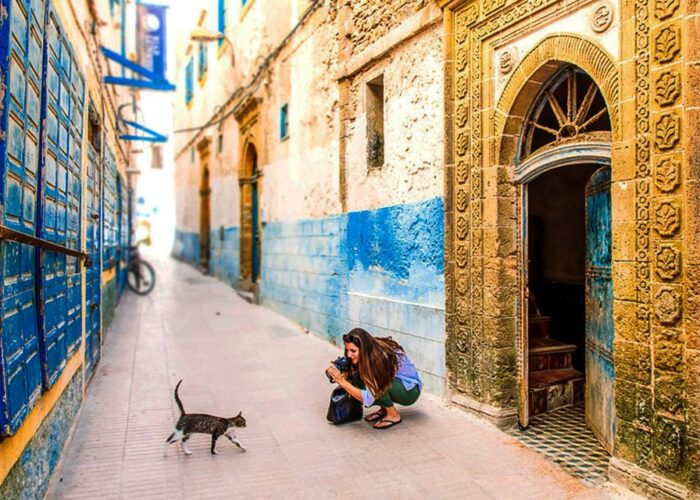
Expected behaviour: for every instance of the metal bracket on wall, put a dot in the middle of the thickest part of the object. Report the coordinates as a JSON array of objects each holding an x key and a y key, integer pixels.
[
  {"x": 149, "y": 135},
  {"x": 150, "y": 79},
  {"x": 10, "y": 234}
]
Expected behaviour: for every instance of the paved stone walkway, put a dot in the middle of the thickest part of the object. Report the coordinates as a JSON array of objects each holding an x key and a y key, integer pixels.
[{"x": 234, "y": 357}]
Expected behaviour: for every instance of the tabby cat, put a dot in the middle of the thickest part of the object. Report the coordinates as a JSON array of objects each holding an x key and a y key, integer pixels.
[{"x": 206, "y": 424}]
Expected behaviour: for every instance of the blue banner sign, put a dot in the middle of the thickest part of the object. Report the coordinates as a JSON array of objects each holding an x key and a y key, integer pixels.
[{"x": 150, "y": 38}]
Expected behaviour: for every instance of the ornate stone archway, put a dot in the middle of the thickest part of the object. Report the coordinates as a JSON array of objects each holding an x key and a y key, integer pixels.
[{"x": 250, "y": 184}]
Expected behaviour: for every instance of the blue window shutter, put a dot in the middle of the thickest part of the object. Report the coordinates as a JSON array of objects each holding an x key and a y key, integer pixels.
[
  {"x": 202, "y": 67},
  {"x": 284, "y": 121},
  {"x": 243, "y": 2},
  {"x": 222, "y": 20},
  {"x": 189, "y": 80}
]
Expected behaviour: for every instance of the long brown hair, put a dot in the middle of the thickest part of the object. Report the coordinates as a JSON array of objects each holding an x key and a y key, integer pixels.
[{"x": 378, "y": 363}]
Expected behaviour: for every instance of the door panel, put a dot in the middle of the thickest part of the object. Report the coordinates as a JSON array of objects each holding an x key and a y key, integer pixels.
[
  {"x": 204, "y": 212},
  {"x": 21, "y": 63},
  {"x": 92, "y": 236},
  {"x": 600, "y": 372}
]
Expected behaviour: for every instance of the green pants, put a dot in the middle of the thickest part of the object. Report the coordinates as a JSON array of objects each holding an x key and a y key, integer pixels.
[{"x": 397, "y": 393}]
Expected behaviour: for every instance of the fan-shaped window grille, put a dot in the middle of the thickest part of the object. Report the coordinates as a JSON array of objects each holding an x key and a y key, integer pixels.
[{"x": 570, "y": 108}]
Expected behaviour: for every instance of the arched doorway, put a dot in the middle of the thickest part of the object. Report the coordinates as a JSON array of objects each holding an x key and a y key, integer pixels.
[
  {"x": 562, "y": 168},
  {"x": 250, "y": 220}
]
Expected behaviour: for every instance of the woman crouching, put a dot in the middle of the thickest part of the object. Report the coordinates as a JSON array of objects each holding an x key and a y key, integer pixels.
[{"x": 386, "y": 376}]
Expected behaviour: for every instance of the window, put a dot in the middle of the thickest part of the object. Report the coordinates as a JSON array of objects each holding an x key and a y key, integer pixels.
[
  {"x": 94, "y": 130},
  {"x": 374, "y": 101},
  {"x": 202, "y": 66},
  {"x": 222, "y": 20},
  {"x": 157, "y": 156},
  {"x": 243, "y": 2},
  {"x": 284, "y": 121},
  {"x": 189, "y": 81},
  {"x": 220, "y": 143},
  {"x": 192, "y": 155}
]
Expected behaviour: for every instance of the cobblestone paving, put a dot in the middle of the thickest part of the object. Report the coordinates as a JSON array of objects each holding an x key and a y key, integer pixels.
[{"x": 234, "y": 357}]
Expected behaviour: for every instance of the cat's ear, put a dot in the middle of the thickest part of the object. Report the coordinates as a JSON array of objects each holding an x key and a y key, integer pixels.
[{"x": 240, "y": 413}]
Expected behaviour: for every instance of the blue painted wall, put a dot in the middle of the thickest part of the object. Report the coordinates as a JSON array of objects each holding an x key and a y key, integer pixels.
[
  {"x": 394, "y": 281},
  {"x": 225, "y": 258},
  {"x": 380, "y": 269},
  {"x": 186, "y": 247},
  {"x": 302, "y": 272}
]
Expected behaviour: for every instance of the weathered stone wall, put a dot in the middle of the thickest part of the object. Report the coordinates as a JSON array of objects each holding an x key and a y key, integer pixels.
[
  {"x": 29, "y": 478},
  {"x": 413, "y": 126},
  {"x": 371, "y": 19}
]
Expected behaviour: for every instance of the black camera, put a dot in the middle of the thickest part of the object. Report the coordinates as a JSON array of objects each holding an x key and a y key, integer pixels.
[{"x": 342, "y": 363}]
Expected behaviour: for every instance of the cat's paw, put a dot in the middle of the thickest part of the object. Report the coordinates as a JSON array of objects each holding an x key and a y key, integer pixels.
[
  {"x": 188, "y": 453},
  {"x": 243, "y": 449},
  {"x": 214, "y": 452}
]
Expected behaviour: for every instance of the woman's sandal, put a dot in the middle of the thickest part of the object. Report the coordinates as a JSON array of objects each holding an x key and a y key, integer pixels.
[
  {"x": 390, "y": 423},
  {"x": 375, "y": 416}
]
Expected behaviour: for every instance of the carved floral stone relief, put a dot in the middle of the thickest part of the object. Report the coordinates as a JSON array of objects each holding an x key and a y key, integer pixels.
[
  {"x": 667, "y": 306},
  {"x": 667, "y": 44},
  {"x": 667, "y": 88},
  {"x": 667, "y": 218},
  {"x": 668, "y": 262},
  {"x": 667, "y": 176}
]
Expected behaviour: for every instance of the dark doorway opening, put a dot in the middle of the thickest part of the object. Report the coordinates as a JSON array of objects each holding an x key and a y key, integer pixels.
[{"x": 557, "y": 293}]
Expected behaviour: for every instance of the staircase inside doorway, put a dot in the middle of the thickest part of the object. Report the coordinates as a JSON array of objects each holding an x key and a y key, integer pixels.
[{"x": 562, "y": 436}]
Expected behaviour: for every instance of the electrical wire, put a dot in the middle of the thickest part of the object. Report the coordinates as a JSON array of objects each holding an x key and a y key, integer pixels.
[{"x": 254, "y": 83}]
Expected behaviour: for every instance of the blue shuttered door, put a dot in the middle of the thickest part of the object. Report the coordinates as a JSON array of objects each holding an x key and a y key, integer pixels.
[
  {"x": 93, "y": 272},
  {"x": 123, "y": 231},
  {"x": 21, "y": 44},
  {"x": 74, "y": 229},
  {"x": 59, "y": 203},
  {"x": 109, "y": 258}
]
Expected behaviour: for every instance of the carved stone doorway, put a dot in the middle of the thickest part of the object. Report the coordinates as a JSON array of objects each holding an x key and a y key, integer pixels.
[
  {"x": 566, "y": 298},
  {"x": 250, "y": 220}
]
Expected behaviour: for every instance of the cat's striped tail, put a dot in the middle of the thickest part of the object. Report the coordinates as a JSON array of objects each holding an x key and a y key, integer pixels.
[{"x": 177, "y": 398}]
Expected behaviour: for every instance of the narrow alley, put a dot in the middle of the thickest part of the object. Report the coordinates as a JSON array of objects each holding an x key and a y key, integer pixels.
[{"x": 234, "y": 357}]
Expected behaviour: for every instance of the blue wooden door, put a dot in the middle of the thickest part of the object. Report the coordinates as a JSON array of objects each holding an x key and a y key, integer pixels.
[
  {"x": 256, "y": 233},
  {"x": 93, "y": 271},
  {"x": 600, "y": 370},
  {"x": 59, "y": 202},
  {"x": 21, "y": 64}
]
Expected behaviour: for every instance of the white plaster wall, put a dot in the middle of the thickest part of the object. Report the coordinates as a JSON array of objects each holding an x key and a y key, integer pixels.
[
  {"x": 578, "y": 22},
  {"x": 302, "y": 187},
  {"x": 413, "y": 127},
  {"x": 187, "y": 208},
  {"x": 225, "y": 202},
  {"x": 301, "y": 179}
]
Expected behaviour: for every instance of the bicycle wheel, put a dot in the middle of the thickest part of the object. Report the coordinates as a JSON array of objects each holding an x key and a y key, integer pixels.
[{"x": 141, "y": 278}]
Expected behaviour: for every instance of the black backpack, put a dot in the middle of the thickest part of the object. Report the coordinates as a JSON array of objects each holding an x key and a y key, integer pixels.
[{"x": 343, "y": 407}]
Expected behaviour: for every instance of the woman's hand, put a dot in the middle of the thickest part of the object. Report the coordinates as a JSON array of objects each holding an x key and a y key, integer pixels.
[{"x": 336, "y": 375}]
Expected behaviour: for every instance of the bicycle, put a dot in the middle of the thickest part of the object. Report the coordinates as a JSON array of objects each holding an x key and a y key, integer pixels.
[{"x": 141, "y": 277}]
